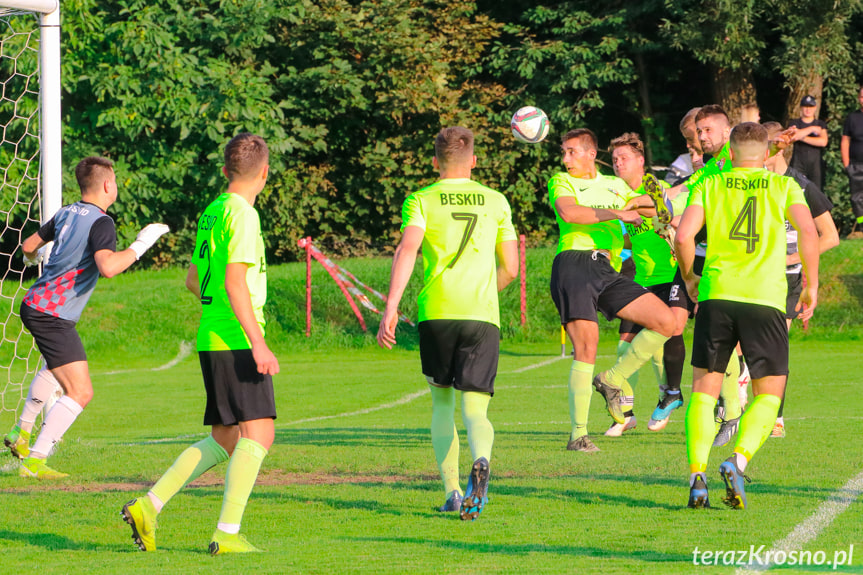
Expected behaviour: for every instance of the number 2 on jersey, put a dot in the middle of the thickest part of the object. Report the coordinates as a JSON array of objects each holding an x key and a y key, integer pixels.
[
  {"x": 744, "y": 226},
  {"x": 204, "y": 253},
  {"x": 470, "y": 223}
]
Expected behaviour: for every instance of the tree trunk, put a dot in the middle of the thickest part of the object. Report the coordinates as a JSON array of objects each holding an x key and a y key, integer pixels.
[
  {"x": 646, "y": 109},
  {"x": 732, "y": 89}
]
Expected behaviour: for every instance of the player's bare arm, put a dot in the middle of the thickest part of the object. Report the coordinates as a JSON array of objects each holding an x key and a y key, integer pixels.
[
  {"x": 507, "y": 263},
  {"x": 828, "y": 237},
  {"x": 111, "y": 263},
  {"x": 807, "y": 245},
  {"x": 192, "y": 283},
  {"x": 404, "y": 260},
  {"x": 241, "y": 304},
  {"x": 684, "y": 246},
  {"x": 572, "y": 213}
]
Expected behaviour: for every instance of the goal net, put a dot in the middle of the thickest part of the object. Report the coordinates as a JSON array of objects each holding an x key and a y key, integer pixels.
[{"x": 28, "y": 196}]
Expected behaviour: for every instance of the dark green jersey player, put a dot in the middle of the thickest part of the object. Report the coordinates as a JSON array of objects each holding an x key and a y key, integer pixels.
[
  {"x": 460, "y": 226},
  {"x": 228, "y": 274},
  {"x": 741, "y": 296},
  {"x": 584, "y": 280}
]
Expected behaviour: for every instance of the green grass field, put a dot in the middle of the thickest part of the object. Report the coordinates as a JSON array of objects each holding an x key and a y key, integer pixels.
[{"x": 351, "y": 482}]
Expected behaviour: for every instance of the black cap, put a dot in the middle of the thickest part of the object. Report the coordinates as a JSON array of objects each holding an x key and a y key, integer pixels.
[{"x": 808, "y": 101}]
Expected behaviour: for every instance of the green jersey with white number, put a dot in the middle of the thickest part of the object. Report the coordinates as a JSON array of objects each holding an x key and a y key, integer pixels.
[
  {"x": 745, "y": 211},
  {"x": 603, "y": 192},
  {"x": 654, "y": 263},
  {"x": 229, "y": 231},
  {"x": 463, "y": 221}
]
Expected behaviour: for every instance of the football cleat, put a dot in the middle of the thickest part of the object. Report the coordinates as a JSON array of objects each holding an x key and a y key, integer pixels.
[
  {"x": 583, "y": 444},
  {"x": 617, "y": 429},
  {"x": 727, "y": 429},
  {"x": 230, "y": 543},
  {"x": 664, "y": 211},
  {"x": 662, "y": 413},
  {"x": 613, "y": 398},
  {"x": 476, "y": 494},
  {"x": 698, "y": 498},
  {"x": 141, "y": 516},
  {"x": 35, "y": 467},
  {"x": 453, "y": 503},
  {"x": 735, "y": 494},
  {"x": 778, "y": 429},
  {"x": 18, "y": 442}
]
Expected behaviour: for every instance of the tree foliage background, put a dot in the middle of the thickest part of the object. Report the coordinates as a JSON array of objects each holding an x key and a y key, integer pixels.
[{"x": 350, "y": 93}]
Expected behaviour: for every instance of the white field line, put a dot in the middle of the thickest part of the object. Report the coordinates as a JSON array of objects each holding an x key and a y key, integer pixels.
[
  {"x": 810, "y": 528},
  {"x": 186, "y": 348}
]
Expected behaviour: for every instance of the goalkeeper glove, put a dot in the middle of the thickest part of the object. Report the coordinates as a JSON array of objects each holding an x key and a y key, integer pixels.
[
  {"x": 147, "y": 237},
  {"x": 37, "y": 257}
]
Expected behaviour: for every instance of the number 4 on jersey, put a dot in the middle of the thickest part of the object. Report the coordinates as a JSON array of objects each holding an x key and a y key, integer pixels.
[{"x": 744, "y": 226}]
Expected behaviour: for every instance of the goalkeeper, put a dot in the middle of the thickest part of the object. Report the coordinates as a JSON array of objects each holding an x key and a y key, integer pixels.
[{"x": 84, "y": 247}]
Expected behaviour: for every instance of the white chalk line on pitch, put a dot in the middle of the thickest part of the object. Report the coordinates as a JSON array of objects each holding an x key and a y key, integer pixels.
[
  {"x": 401, "y": 401},
  {"x": 186, "y": 348},
  {"x": 810, "y": 528}
]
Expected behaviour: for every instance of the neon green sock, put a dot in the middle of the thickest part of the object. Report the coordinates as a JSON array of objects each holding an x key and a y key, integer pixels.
[
  {"x": 729, "y": 390},
  {"x": 190, "y": 465},
  {"x": 700, "y": 431},
  {"x": 580, "y": 392},
  {"x": 444, "y": 436},
  {"x": 480, "y": 433},
  {"x": 240, "y": 479},
  {"x": 622, "y": 346},
  {"x": 756, "y": 424},
  {"x": 658, "y": 361},
  {"x": 641, "y": 349}
]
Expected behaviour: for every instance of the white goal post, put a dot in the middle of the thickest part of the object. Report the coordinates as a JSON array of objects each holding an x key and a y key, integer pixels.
[
  {"x": 30, "y": 171},
  {"x": 49, "y": 99}
]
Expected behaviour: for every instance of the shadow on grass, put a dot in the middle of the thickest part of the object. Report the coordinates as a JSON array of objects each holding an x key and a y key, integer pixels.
[
  {"x": 529, "y": 548},
  {"x": 54, "y": 542},
  {"x": 854, "y": 285}
]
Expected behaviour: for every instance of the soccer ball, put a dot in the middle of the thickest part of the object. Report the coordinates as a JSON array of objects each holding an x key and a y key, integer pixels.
[{"x": 529, "y": 125}]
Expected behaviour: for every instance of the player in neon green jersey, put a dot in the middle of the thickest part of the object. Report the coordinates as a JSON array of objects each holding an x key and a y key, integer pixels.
[
  {"x": 585, "y": 279},
  {"x": 744, "y": 211},
  {"x": 228, "y": 275},
  {"x": 653, "y": 258},
  {"x": 712, "y": 128},
  {"x": 460, "y": 225}
]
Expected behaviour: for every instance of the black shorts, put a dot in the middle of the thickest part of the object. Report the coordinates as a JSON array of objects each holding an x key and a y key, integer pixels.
[
  {"x": 583, "y": 282},
  {"x": 235, "y": 390},
  {"x": 677, "y": 294},
  {"x": 795, "y": 288},
  {"x": 661, "y": 291},
  {"x": 760, "y": 329},
  {"x": 57, "y": 339},
  {"x": 460, "y": 353}
]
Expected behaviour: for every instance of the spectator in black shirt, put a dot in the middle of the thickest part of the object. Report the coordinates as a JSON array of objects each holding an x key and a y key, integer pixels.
[
  {"x": 809, "y": 135},
  {"x": 852, "y": 156}
]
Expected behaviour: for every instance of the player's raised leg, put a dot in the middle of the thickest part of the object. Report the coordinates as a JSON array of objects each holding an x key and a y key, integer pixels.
[{"x": 649, "y": 311}]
